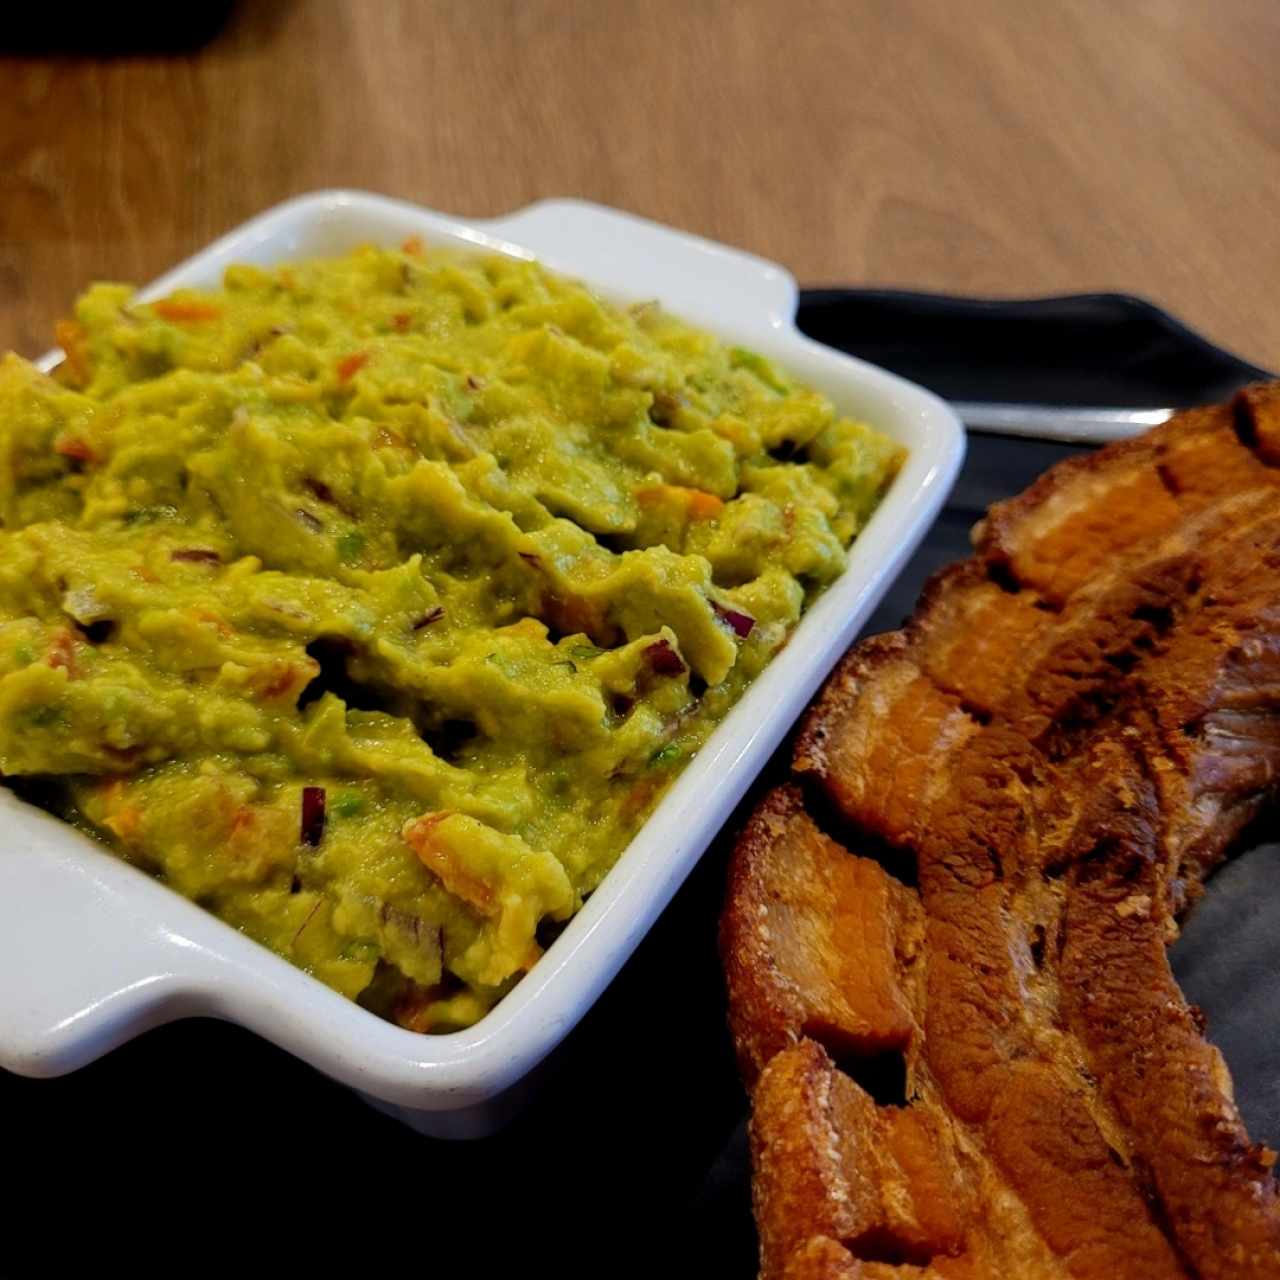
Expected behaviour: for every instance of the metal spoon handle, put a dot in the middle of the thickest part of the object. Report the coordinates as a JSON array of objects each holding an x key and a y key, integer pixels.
[{"x": 1083, "y": 425}]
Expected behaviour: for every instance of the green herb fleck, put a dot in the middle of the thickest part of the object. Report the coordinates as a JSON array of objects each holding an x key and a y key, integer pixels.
[
  {"x": 360, "y": 949},
  {"x": 665, "y": 756},
  {"x": 350, "y": 545},
  {"x": 347, "y": 804}
]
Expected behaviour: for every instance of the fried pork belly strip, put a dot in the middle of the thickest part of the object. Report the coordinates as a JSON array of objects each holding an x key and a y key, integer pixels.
[
  {"x": 817, "y": 939},
  {"x": 1069, "y": 735}
]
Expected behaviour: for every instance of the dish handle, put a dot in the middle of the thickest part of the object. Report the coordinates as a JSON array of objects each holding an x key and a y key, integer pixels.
[
  {"x": 693, "y": 276},
  {"x": 83, "y": 964}
]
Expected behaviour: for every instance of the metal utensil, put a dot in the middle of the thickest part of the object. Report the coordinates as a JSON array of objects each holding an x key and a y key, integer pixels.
[{"x": 1078, "y": 425}]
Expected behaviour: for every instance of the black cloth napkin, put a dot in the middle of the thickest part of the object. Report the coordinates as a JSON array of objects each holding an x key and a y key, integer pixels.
[{"x": 632, "y": 1160}]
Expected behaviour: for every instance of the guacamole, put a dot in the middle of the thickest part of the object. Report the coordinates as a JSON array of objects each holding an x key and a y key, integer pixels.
[{"x": 372, "y": 603}]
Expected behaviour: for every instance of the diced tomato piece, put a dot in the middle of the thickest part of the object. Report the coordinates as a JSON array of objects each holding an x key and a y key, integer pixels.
[
  {"x": 703, "y": 505},
  {"x": 412, "y": 1007},
  {"x": 350, "y": 365},
  {"x": 122, "y": 818},
  {"x": 219, "y": 623},
  {"x": 242, "y": 822},
  {"x": 698, "y": 504},
  {"x": 571, "y": 614},
  {"x": 186, "y": 311},
  {"x": 420, "y": 835},
  {"x": 73, "y": 447},
  {"x": 71, "y": 337},
  {"x": 62, "y": 652},
  {"x": 277, "y": 679}
]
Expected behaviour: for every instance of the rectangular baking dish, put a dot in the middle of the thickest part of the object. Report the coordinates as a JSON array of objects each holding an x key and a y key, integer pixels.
[{"x": 94, "y": 952}]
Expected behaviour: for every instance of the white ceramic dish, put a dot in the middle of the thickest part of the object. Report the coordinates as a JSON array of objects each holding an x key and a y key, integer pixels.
[{"x": 93, "y": 952}]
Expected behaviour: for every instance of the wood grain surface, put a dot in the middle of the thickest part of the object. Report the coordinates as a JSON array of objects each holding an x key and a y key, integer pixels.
[{"x": 984, "y": 146}]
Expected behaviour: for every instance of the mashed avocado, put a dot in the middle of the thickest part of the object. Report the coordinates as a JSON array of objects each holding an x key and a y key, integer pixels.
[{"x": 373, "y": 603}]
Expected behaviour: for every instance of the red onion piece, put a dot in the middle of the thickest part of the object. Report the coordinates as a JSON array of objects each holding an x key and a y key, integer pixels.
[
  {"x": 312, "y": 815},
  {"x": 665, "y": 660},
  {"x": 431, "y": 615},
  {"x": 740, "y": 623}
]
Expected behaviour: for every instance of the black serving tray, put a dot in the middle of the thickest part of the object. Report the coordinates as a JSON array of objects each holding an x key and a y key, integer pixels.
[{"x": 200, "y": 1142}]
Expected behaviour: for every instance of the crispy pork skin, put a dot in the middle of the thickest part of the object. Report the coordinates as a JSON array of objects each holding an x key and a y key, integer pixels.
[
  {"x": 1074, "y": 729},
  {"x": 817, "y": 942}
]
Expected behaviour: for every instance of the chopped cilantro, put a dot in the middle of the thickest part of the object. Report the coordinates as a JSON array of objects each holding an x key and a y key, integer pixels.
[
  {"x": 665, "y": 756},
  {"x": 347, "y": 804},
  {"x": 350, "y": 545}
]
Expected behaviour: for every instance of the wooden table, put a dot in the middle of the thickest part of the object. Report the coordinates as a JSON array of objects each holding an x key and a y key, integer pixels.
[{"x": 986, "y": 146}]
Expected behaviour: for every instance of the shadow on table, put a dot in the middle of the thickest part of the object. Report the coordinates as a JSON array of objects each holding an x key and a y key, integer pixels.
[{"x": 120, "y": 30}]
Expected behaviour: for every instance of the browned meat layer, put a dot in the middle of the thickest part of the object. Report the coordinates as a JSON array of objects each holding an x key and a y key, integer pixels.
[
  {"x": 1067, "y": 737},
  {"x": 817, "y": 942}
]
